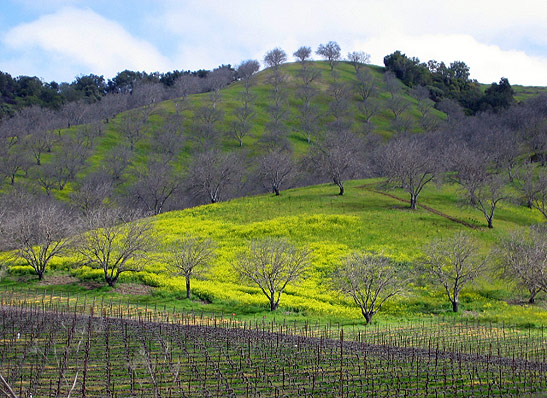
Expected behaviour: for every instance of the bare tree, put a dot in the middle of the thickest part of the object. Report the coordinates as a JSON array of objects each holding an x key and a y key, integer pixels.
[
  {"x": 132, "y": 126},
  {"x": 38, "y": 233},
  {"x": 370, "y": 280},
  {"x": 13, "y": 159},
  {"x": 116, "y": 242},
  {"x": 91, "y": 192},
  {"x": 488, "y": 195},
  {"x": 339, "y": 106},
  {"x": 206, "y": 120},
  {"x": 212, "y": 174},
  {"x": 168, "y": 140},
  {"x": 366, "y": 84},
  {"x": 190, "y": 256},
  {"x": 275, "y": 168},
  {"x": 393, "y": 85},
  {"x": 410, "y": 162},
  {"x": 358, "y": 59},
  {"x": 524, "y": 259},
  {"x": 337, "y": 156},
  {"x": 531, "y": 182},
  {"x": 154, "y": 184},
  {"x": 331, "y": 52},
  {"x": 246, "y": 71},
  {"x": 454, "y": 262},
  {"x": 397, "y": 105},
  {"x": 302, "y": 54},
  {"x": 244, "y": 115},
  {"x": 116, "y": 162},
  {"x": 275, "y": 57},
  {"x": 272, "y": 264}
]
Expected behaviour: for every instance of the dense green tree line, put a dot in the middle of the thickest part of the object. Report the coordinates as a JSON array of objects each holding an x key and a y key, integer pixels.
[{"x": 450, "y": 82}]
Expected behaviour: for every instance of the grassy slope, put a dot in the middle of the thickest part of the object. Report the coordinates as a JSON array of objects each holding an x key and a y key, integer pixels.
[{"x": 333, "y": 226}]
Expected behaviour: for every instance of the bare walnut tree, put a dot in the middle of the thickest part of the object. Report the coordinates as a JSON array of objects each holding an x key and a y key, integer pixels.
[
  {"x": 38, "y": 233},
  {"x": 116, "y": 242},
  {"x": 331, "y": 52},
  {"x": 272, "y": 264},
  {"x": 358, "y": 59},
  {"x": 370, "y": 280},
  {"x": 190, "y": 256},
  {"x": 524, "y": 259},
  {"x": 453, "y": 263},
  {"x": 411, "y": 163}
]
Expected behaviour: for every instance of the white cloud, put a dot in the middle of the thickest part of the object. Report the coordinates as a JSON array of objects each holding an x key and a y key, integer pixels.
[
  {"x": 81, "y": 40},
  {"x": 475, "y": 32},
  {"x": 488, "y": 63}
]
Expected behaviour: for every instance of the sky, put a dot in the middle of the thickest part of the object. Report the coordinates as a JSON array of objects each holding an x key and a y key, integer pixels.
[{"x": 61, "y": 39}]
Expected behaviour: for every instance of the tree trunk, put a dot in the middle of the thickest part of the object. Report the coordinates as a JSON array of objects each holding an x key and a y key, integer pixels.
[
  {"x": 413, "y": 201},
  {"x": 273, "y": 304},
  {"x": 40, "y": 275},
  {"x": 455, "y": 306},
  {"x": 341, "y": 189},
  {"x": 187, "y": 288},
  {"x": 276, "y": 191},
  {"x": 490, "y": 222},
  {"x": 368, "y": 317},
  {"x": 533, "y": 294}
]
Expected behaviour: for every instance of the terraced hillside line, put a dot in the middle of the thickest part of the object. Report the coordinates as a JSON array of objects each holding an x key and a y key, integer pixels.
[{"x": 430, "y": 209}]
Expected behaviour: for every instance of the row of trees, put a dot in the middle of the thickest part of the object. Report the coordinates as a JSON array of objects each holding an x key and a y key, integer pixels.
[{"x": 116, "y": 241}]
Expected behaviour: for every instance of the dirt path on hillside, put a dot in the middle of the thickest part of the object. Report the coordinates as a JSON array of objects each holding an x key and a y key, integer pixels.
[{"x": 369, "y": 187}]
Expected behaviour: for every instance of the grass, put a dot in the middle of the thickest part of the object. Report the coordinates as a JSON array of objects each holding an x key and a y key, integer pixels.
[{"x": 333, "y": 226}]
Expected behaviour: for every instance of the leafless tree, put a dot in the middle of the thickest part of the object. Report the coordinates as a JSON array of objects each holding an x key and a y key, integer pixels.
[
  {"x": 116, "y": 242},
  {"x": 366, "y": 84},
  {"x": 403, "y": 125},
  {"x": 397, "y": 105},
  {"x": 168, "y": 140},
  {"x": 369, "y": 108},
  {"x": 358, "y": 59},
  {"x": 244, "y": 114},
  {"x": 246, "y": 71},
  {"x": 337, "y": 156},
  {"x": 487, "y": 196},
  {"x": 531, "y": 182},
  {"x": 453, "y": 110},
  {"x": 39, "y": 232},
  {"x": 91, "y": 193},
  {"x": 213, "y": 174},
  {"x": 272, "y": 264},
  {"x": 132, "y": 126},
  {"x": 275, "y": 168},
  {"x": 393, "y": 85},
  {"x": 190, "y": 256},
  {"x": 453, "y": 262},
  {"x": 524, "y": 259},
  {"x": 13, "y": 159},
  {"x": 302, "y": 54},
  {"x": 339, "y": 106},
  {"x": 370, "y": 280},
  {"x": 154, "y": 184},
  {"x": 90, "y": 132},
  {"x": 331, "y": 52},
  {"x": 40, "y": 142},
  {"x": 275, "y": 57},
  {"x": 116, "y": 162},
  {"x": 206, "y": 120},
  {"x": 410, "y": 162}
]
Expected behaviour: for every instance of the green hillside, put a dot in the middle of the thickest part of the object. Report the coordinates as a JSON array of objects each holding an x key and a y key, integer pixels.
[
  {"x": 332, "y": 226},
  {"x": 159, "y": 115}
]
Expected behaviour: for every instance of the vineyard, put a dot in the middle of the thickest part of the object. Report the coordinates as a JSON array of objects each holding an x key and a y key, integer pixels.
[{"x": 55, "y": 346}]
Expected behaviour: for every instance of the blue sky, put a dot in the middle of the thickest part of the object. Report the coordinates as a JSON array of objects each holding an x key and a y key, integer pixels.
[{"x": 60, "y": 39}]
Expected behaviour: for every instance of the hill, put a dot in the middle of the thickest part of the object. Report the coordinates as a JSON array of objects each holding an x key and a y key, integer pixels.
[{"x": 332, "y": 226}]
